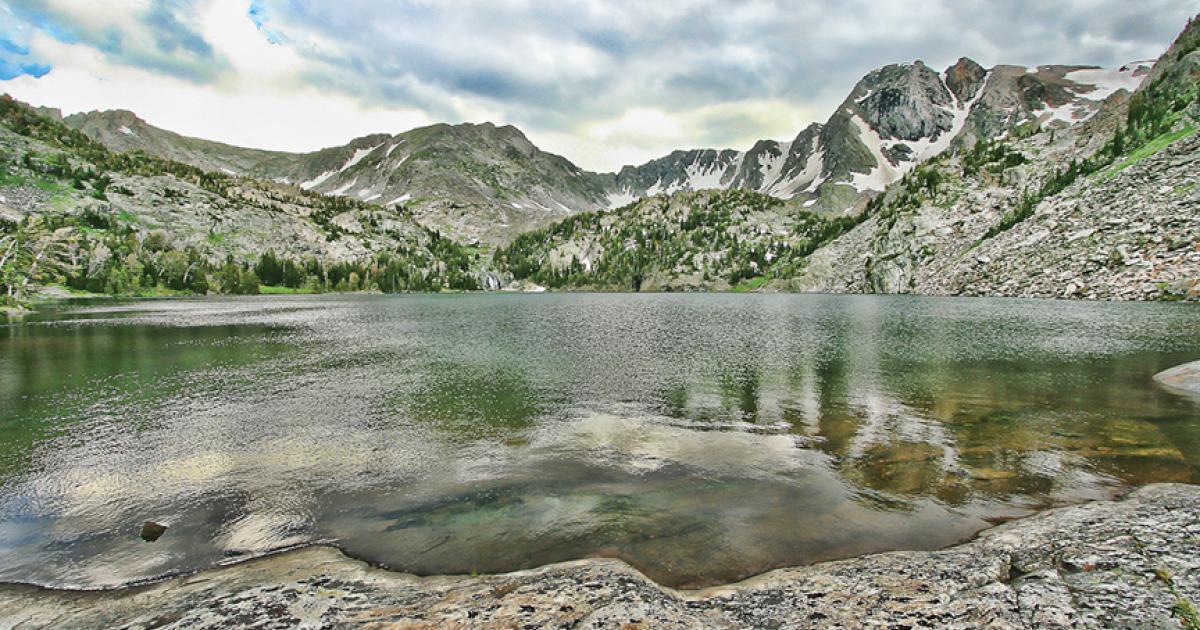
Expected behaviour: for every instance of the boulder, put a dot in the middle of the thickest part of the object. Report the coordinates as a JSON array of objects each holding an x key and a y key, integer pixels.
[
  {"x": 152, "y": 531},
  {"x": 1185, "y": 377}
]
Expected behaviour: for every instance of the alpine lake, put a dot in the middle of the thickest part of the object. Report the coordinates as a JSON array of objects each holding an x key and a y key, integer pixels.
[{"x": 701, "y": 438}]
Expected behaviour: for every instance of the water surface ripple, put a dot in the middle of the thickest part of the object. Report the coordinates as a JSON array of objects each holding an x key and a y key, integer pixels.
[{"x": 702, "y": 438}]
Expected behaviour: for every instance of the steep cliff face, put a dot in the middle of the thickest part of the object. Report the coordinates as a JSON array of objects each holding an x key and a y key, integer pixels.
[
  {"x": 1050, "y": 182},
  {"x": 1103, "y": 209},
  {"x": 894, "y": 119}
]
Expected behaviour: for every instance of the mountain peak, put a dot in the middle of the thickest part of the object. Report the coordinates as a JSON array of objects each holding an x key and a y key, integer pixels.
[
  {"x": 965, "y": 78},
  {"x": 486, "y": 129},
  {"x": 119, "y": 115},
  {"x": 372, "y": 139}
]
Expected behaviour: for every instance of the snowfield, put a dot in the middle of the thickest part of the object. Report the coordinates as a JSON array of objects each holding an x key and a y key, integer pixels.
[{"x": 1107, "y": 81}]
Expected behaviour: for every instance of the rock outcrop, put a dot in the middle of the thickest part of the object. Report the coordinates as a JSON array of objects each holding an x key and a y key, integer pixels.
[
  {"x": 1132, "y": 563},
  {"x": 1183, "y": 378},
  {"x": 1131, "y": 235}
]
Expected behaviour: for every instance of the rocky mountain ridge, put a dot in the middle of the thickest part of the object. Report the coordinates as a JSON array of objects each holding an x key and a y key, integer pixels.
[
  {"x": 472, "y": 182},
  {"x": 922, "y": 181},
  {"x": 1094, "y": 200},
  {"x": 895, "y": 118},
  {"x": 73, "y": 212},
  {"x": 1102, "y": 210},
  {"x": 488, "y": 183}
]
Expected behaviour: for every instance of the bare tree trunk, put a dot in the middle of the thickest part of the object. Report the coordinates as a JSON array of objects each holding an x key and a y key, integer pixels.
[
  {"x": 8, "y": 255},
  {"x": 12, "y": 245},
  {"x": 32, "y": 270}
]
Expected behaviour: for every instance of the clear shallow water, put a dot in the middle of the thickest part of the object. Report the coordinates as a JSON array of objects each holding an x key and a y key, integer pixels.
[{"x": 702, "y": 438}]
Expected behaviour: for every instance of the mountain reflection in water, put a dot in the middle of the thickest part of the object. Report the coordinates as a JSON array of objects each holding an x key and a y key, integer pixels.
[{"x": 701, "y": 438}]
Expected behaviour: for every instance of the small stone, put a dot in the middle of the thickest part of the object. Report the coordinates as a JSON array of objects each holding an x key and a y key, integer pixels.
[{"x": 152, "y": 531}]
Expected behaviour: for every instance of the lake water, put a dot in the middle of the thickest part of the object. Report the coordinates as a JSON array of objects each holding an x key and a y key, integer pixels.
[{"x": 701, "y": 438}]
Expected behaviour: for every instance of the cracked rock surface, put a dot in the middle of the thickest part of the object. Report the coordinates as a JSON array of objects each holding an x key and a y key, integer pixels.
[{"x": 1133, "y": 563}]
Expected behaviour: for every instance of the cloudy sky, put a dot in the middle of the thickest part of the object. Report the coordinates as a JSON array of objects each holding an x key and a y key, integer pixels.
[{"x": 604, "y": 82}]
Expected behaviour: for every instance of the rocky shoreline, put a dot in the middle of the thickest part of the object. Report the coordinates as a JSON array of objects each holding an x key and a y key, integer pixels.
[{"x": 1128, "y": 563}]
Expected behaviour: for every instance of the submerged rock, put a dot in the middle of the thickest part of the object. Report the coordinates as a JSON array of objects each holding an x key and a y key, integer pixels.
[
  {"x": 152, "y": 531},
  {"x": 1132, "y": 563}
]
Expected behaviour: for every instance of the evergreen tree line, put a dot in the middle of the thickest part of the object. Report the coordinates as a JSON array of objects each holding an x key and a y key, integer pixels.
[
  {"x": 115, "y": 259},
  {"x": 103, "y": 256},
  {"x": 993, "y": 156},
  {"x": 711, "y": 235}
]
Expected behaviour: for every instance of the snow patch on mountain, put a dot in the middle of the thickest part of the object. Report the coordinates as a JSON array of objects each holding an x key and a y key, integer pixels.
[
  {"x": 772, "y": 168},
  {"x": 358, "y": 157},
  {"x": 1071, "y": 114},
  {"x": 351, "y": 163},
  {"x": 884, "y": 172},
  {"x": 816, "y": 183},
  {"x": 621, "y": 199},
  {"x": 788, "y": 188},
  {"x": 700, "y": 179},
  {"x": 318, "y": 180},
  {"x": 1106, "y": 82}
]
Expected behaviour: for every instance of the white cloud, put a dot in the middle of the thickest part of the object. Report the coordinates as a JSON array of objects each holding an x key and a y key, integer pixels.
[
  {"x": 603, "y": 82},
  {"x": 263, "y": 104},
  {"x": 227, "y": 27},
  {"x": 642, "y": 134}
]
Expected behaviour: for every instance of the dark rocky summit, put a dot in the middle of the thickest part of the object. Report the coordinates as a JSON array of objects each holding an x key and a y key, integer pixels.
[{"x": 1131, "y": 563}]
